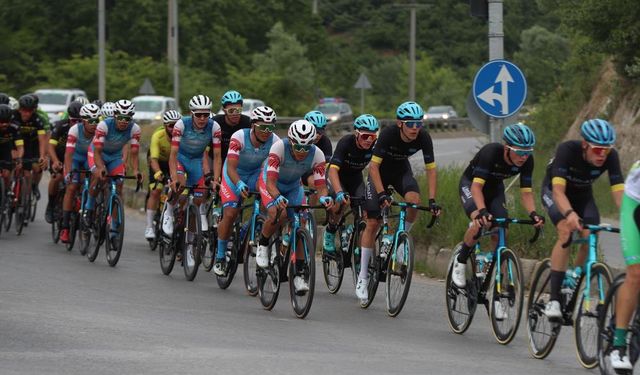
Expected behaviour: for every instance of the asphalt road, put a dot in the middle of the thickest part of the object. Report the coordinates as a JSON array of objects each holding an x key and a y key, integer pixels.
[{"x": 60, "y": 314}]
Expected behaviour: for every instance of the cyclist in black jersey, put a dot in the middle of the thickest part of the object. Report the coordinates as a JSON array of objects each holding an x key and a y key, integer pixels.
[
  {"x": 568, "y": 198},
  {"x": 319, "y": 120},
  {"x": 352, "y": 154},
  {"x": 57, "y": 148},
  {"x": 390, "y": 166},
  {"x": 231, "y": 121},
  {"x": 10, "y": 137},
  {"x": 482, "y": 190}
]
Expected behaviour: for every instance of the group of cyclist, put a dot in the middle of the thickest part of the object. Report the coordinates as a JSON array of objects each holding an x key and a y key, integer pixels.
[{"x": 239, "y": 155}]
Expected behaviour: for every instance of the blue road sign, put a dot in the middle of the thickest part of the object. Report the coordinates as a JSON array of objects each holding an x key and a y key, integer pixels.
[{"x": 499, "y": 88}]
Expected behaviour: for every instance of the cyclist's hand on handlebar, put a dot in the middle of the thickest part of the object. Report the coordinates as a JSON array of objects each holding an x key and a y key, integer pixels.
[
  {"x": 67, "y": 178},
  {"x": 384, "y": 200},
  {"x": 574, "y": 221},
  {"x": 158, "y": 176},
  {"x": 43, "y": 162},
  {"x": 342, "y": 197},
  {"x": 57, "y": 167},
  {"x": 434, "y": 208},
  {"x": 281, "y": 202},
  {"x": 242, "y": 189},
  {"x": 483, "y": 218},
  {"x": 539, "y": 219},
  {"x": 326, "y": 201}
]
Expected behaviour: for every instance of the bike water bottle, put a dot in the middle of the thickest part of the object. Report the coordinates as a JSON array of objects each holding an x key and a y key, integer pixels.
[
  {"x": 228, "y": 252},
  {"x": 216, "y": 214},
  {"x": 387, "y": 239}
]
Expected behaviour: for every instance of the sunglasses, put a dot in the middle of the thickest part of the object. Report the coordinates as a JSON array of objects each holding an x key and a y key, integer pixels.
[
  {"x": 265, "y": 128},
  {"x": 92, "y": 120},
  {"x": 520, "y": 151},
  {"x": 301, "y": 148},
  {"x": 412, "y": 123},
  {"x": 123, "y": 118},
  {"x": 366, "y": 136},
  {"x": 600, "y": 150},
  {"x": 233, "y": 110},
  {"x": 201, "y": 114}
]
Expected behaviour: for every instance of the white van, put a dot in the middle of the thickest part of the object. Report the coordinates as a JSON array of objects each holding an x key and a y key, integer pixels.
[
  {"x": 56, "y": 101},
  {"x": 150, "y": 108}
]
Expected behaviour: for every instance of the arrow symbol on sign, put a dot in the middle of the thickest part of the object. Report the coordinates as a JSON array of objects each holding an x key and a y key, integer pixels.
[{"x": 489, "y": 96}]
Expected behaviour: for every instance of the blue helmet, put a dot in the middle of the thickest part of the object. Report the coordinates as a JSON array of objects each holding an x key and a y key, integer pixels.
[
  {"x": 317, "y": 118},
  {"x": 409, "y": 111},
  {"x": 366, "y": 122},
  {"x": 231, "y": 97},
  {"x": 598, "y": 131},
  {"x": 519, "y": 135}
]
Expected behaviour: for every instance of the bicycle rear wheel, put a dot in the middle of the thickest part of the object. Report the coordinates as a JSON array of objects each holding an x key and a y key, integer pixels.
[
  {"x": 586, "y": 322},
  {"x": 210, "y": 246},
  {"x": 399, "y": 272},
  {"x": 354, "y": 244},
  {"x": 461, "y": 303},
  {"x": 301, "y": 301},
  {"x": 231, "y": 259},
  {"x": 56, "y": 223},
  {"x": 541, "y": 332},
  {"x": 3, "y": 204},
  {"x": 115, "y": 232},
  {"x": 22, "y": 209},
  {"x": 98, "y": 230},
  {"x": 375, "y": 268},
  {"x": 33, "y": 207},
  {"x": 153, "y": 243},
  {"x": 333, "y": 264},
  {"x": 269, "y": 281},
  {"x": 508, "y": 294},
  {"x": 73, "y": 230},
  {"x": 607, "y": 327},
  {"x": 249, "y": 266},
  {"x": 192, "y": 240}
]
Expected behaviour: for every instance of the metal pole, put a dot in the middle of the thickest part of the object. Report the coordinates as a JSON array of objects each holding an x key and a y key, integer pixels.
[
  {"x": 412, "y": 55},
  {"x": 361, "y": 101},
  {"x": 169, "y": 39},
  {"x": 176, "y": 75},
  {"x": 496, "y": 51},
  {"x": 314, "y": 7},
  {"x": 102, "y": 90}
]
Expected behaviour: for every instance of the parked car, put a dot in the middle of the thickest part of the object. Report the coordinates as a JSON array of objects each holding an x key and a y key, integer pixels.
[
  {"x": 150, "y": 108},
  {"x": 247, "y": 106},
  {"x": 441, "y": 117},
  {"x": 336, "y": 110},
  {"x": 55, "y": 101}
]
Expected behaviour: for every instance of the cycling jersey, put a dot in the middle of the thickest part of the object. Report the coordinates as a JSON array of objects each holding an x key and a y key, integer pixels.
[
  {"x": 59, "y": 137},
  {"x": 78, "y": 143},
  {"x": 392, "y": 153},
  {"x": 30, "y": 130},
  {"x": 160, "y": 147},
  {"x": 192, "y": 144},
  {"x": 632, "y": 185},
  {"x": 489, "y": 168},
  {"x": 350, "y": 160},
  {"x": 46, "y": 124},
  {"x": 9, "y": 137},
  {"x": 325, "y": 145},
  {"x": 569, "y": 168},
  {"x": 113, "y": 141},
  {"x": 630, "y": 217},
  {"x": 227, "y": 130}
]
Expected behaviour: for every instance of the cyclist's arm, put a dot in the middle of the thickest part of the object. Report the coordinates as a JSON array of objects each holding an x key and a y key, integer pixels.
[
  {"x": 19, "y": 152},
  {"x": 432, "y": 176},
  {"x": 236, "y": 144},
  {"x": 374, "y": 175},
  {"x": 526, "y": 190},
  {"x": 135, "y": 148},
  {"x": 276, "y": 154},
  {"x": 616, "y": 179},
  {"x": 429, "y": 163},
  {"x": 318, "y": 168},
  {"x": 98, "y": 144},
  {"x": 217, "y": 151},
  {"x": 559, "y": 186},
  {"x": 334, "y": 178},
  {"x": 18, "y": 142},
  {"x": 154, "y": 151},
  {"x": 476, "y": 193},
  {"x": 176, "y": 137},
  {"x": 52, "y": 150},
  {"x": 42, "y": 143},
  {"x": 336, "y": 163},
  {"x": 70, "y": 148}
]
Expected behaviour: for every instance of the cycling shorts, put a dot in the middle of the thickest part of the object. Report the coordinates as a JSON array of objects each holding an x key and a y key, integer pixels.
[
  {"x": 228, "y": 195},
  {"x": 583, "y": 204},
  {"x": 164, "y": 167},
  {"x": 494, "y": 198},
  {"x": 192, "y": 168},
  {"x": 295, "y": 196},
  {"x": 403, "y": 182},
  {"x": 353, "y": 185}
]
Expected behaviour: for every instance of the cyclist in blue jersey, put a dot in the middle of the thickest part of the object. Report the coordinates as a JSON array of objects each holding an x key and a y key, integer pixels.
[
  {"x": 280, "y": 185},
  {"x": 248, "y": 149},
  {"x": 319, "y": 120},
  {"x": 189, "y": 144},
  {"x": 75, "y": 158}
]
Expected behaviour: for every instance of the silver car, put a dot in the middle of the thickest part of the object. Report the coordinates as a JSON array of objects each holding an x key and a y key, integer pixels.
[{"x": 441, "y": 117}]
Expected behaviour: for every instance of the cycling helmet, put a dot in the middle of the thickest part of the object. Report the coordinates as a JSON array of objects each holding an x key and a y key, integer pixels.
[
  {"x": 4, "y": 98},
  {"x": 366, "y": 122},
  {"x": 263, "y": 114},
  {"x": 125, "y": 107},
  {"x": 36, "y": 98},
  {"x": 302, "y": 132},
  {"x": 97, "y": 102},
  {"x": 519, "y": 135},
  {"x": 409, "y": 111},
  {"x": 200, "y": 103},
  {"x": 5, "y": 113},
  {"x": 73, "y": 110},
  {"x": 231, "y": 97},
  {"x": 317, "y": 118},
  {"x": 13, "y": 103},
  {"x": 27, "y": 101},
  {"x": 598, "y": 131},
  {"x": 108, "y": 109},
  {"x": 171, "y": 116},
  {"x": 90, "y": 111},
  {"x": 82, "y": 100}
]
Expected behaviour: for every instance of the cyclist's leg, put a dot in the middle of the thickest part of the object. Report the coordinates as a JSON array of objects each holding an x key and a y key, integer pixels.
[
  {"x": 588, "y": 211},
  {"x": 368, "y": 239},
  {"x": 335, "y": 214},
  {"x": 230, "y": 208},
  {"x": 407, "y": 186}
]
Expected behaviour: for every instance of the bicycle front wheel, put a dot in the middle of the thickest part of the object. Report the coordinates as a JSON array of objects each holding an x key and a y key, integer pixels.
[
  {"x": 508, "y": 294},
  {"x": 301, "y": 300},
  {"x": 541, "y": 332},
  {"x": 98, "y": 229},
  {"x": 269, "y": 281},
  {"x": 3, "y": 204},
  {"x": 249, "y": 266},
  {"x": 607, "y": 327},
  {"x": 590, "y": 308},
  {"x": 191, "y": 258},
  {"x": 333, "y": 264},
  {"x": 115, "y": 230},
  {"x": 399, "y": 272},
  {"x": 461, "y": 303}
]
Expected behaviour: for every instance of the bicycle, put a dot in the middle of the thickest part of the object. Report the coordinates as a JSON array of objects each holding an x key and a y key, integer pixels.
[
  {"x": 392, "y": 261},
  {"x": 157, "y": 223},
  {"x": 542, "y": 332},
  {"x": 249, "y": 266},
  {"x": 109, "y": 220},
  {"x": 606, "y": 329},
  {"x": 6, "y": 199},
  {"x": 347, "y": 247},
  {"x": 56, "y": 223},
  {"x": 505, "y": 284},
  {"x": 283, "y": 267},
  {"x": 22, "y": 199},
  {"x": 214, "y": 215},
  {"x": 78, "y": 222}
]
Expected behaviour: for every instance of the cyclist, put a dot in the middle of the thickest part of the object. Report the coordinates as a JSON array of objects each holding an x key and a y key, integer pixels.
[
  {"x": 390, "y": 166},
  {"x": 107, "y": 109},
  {"x": 482, "y": 190},
  {"x": 105, "y": 151},
  {"x": 353, "y": 153},
  {"x": 191, "y": 137},
  {"x": 280, "y": 185},
  {"x": 4, "y": 98},
  {"x": 230, "y": 121},
  {"x": 75, "y": 158},
  {"x": 158, "y": 160},
  {"x": 35, "y": 140},
  {"x": 10, "y": 137},
  {"x": 319, "y": 120},
  {"x": 57, "y": 147},
  {"x": 627, "y": 297},
  {"x": 247, "y": 150},
  {"x": 568, "y": 198}
]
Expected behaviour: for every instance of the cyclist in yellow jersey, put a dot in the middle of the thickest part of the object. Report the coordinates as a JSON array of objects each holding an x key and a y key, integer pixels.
[{"x": 158, "y": 160}]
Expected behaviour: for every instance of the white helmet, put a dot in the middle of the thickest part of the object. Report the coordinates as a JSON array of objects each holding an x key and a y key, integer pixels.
[
  {"x": 108, "y": 109},
  {"x": 263, "y": 114},
  {"x": 90, "y": 111},
  {"x": 302, "y": 132},
  {"x": 13, "y": 103},
  {"x": 82, "y": 100},
  {"x": 200, "y": 103},
  {"x": 171, "y": 116},
  {"x": 125, "y": 107}
]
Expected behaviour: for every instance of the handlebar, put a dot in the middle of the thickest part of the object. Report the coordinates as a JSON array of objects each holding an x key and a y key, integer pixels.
[
  {"x": 404, "y": 205},
  {"x": 592, "y": 229},
  {"x": 504, "y": 221}
]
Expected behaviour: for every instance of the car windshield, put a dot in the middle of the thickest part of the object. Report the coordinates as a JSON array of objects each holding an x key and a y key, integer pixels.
[
  {"x": 148, "y": 105},
  {"x": 328, "y": 108},
  {"x": 56, "y": 98},
  {"x": 440, "y": 109}
]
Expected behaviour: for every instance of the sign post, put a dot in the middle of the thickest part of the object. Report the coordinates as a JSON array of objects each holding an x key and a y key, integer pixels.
[{"x": 362, "y": 84}]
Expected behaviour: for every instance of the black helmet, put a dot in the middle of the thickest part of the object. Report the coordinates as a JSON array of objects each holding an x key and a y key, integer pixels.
[
  {"x": 5, "y": 113},
  {"x": 36, "y": 98},
  {"x": 4, "y": 98},
  {"x": 28, "y": 102},
  {"x": 74, "y": 109},
  {"x": 97, "y": 102}
]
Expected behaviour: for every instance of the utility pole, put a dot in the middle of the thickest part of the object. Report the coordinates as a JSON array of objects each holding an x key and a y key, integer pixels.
[
  {"x": 102, "y": 90},
  {"x": 173, "y": 46},
  {"x": 169, "y": 39},
  {"x": 314, "y": 7},
  {"x": 496, "y": 51}
]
